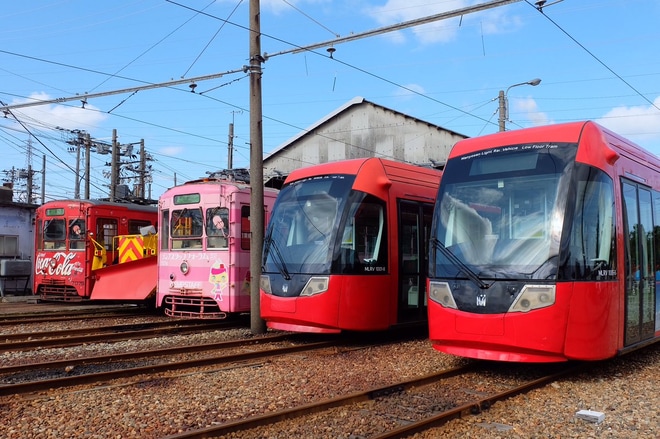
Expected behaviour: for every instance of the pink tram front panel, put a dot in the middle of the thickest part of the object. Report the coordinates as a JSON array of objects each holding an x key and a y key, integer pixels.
[
  {"x": 74, "y": 237},
  {"x": 204, "y": 248},
  {"x": 546, "y": 246}
]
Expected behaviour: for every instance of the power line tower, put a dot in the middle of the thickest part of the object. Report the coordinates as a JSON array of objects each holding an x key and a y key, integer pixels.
[
  {"x": 127, "y": 167},
  {"x": 22, "y": 179}
]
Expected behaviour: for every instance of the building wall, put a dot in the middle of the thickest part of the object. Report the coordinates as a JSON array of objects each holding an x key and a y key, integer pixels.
[
  {"x": 16, "y": 222},
  {"x": 365, "y": 130}
]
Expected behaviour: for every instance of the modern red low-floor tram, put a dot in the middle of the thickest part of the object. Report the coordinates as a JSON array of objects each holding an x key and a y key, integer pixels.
[
  {"x": 95, "y": 250},
  {"x": 204, "y": 252},
  {"x": 546, "y": 246},
  {"x": 346, "y": 246}
]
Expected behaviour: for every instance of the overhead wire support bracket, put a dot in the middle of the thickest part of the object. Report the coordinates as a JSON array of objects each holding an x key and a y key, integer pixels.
[
  {"x": 88, "y": 96},
  {"x": 395, "y": 27}
]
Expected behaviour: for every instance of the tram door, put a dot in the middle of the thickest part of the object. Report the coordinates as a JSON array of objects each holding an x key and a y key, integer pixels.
[
  {"x": 415, "y": 225},
  {"x": 640, "y": 267}
]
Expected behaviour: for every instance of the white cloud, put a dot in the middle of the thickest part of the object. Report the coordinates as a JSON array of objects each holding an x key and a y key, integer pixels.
[
  {"x": 530, "y": 109},
  {"x": 410, "y": 91},
  {"x": 641, "y": 124},
  {"x": 53, "y": 115},
  {"x": 398, "y": 11},
  {"x": 171, "y": 151},
  {"x": 278, "y": 6}
]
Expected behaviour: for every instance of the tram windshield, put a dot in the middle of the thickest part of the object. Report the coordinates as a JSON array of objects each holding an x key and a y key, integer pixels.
[
  {"x": 320, "y": 226},
  {"x": 500, "y": 213}
]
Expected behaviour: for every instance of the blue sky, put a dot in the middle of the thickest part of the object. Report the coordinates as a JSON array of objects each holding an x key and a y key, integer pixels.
[{"x": 597, "y": 59}]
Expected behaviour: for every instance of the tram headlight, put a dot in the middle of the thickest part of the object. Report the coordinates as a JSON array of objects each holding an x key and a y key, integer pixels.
[
  {"x": 441, "y": 293},
  {"x": 184, "y": 267},
  {"x": 534, "y": 297},
  {"x": 315, "y": 285},
  {"x": 264, "y": 284}
]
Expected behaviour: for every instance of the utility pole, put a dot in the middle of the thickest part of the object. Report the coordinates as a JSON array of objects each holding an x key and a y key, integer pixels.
[
  {"x": 257, "y": 325},
  {"x": 230, "y": 147},
  {"x": 43, "y": 179},
  {"x": 88, "y": 148},
  {"x": 143, "y": 170},
  {"x": 76, "y": 191},
  {"x": 29, "y": 183},
  {"x": 114, "y": 166}
]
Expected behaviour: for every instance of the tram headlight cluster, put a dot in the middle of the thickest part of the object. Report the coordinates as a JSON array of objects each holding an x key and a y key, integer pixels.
[
  {"x": 315, "y": 285},
  {"x": 534, "y": 297},
  {"x": 264, "y": 284},
  {"x": 441, "y": 293}
]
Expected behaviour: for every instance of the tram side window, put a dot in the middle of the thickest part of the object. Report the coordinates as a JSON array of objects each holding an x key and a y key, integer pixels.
[
  {"x": 135, "y": 226},
  {"x": 245, "y": 227},
  {"x": 164, "y": 230},
  {"x": 187, "y": 225},
  {"x": 217, "y": 231},
  {"x": 364, "y": 239},
  {"x": 106, "y": 230},
  {"x": 55, "y": 234},
  {"x": 77, "y": 232},
  {"x": 592, "y": 244}
]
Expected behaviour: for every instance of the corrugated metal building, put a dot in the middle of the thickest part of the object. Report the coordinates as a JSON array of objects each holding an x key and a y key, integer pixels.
[
  {"x": 16, "y": 243},
  {"x": 362, "y": 129}
]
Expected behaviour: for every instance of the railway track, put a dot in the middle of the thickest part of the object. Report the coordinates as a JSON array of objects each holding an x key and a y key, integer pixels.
[
  {"x": 71, "y": 314},
  {"x": 112, "y": 333},
  {"x": 383, "y": 404},
  {"x": 70, "y": 373}
]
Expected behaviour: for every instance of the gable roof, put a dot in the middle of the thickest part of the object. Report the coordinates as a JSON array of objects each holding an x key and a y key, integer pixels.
[{"x": 356, "y": 101}]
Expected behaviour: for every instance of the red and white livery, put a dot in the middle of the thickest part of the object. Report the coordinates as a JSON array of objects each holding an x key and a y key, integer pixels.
[
  {"x": 545, "y": 246},
  {"x": 88, "y": 249},
  {"x": 346, "y": 247}
]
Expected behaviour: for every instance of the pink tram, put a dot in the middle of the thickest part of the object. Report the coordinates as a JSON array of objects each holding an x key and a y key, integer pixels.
[
  {"x": 85, "y": 248},
  {"x": 545, "y": 246},
  {"x": 346, "y": 247},
  {"x": 204, "y": 251}
]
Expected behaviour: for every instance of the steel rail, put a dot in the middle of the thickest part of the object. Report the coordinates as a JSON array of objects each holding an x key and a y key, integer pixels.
[{"x": 76, "y": 380}]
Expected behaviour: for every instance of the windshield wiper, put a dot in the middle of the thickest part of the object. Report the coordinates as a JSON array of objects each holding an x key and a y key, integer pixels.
[
  {"x": 278, "y": 260},
  {"x": 459, "y": 264}
]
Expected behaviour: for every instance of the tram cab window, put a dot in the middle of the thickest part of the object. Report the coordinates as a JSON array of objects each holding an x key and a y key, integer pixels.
[
  {"x": 77, "y": 232},
  {"x": 592, "y": 238},
  {"x": 363, "y": 246},
  {"x": 217, "y": 227},
  {"x": 187, "y": 225},
  {"x": 55, "y": 234}
]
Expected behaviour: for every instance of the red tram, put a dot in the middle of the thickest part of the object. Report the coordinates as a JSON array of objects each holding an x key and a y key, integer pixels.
[
  {"x": 346, "y": 247},
  {"x": 90, "y": 249},
  {"x": 545, "y": 246}
]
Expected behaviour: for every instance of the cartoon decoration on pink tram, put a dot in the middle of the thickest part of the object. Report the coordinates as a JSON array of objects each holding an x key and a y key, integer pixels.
[{"x": 219, "y": 278}]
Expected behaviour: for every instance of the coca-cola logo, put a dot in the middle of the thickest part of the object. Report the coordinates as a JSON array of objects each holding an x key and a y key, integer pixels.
[{"x": 59, "y": 264}]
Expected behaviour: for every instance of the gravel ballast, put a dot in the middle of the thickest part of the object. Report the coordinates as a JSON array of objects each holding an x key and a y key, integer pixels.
[{"x": 625, "y": 390}]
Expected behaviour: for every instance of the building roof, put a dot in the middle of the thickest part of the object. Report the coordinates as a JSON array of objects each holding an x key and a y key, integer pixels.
[{"x": 358, "y": 100}]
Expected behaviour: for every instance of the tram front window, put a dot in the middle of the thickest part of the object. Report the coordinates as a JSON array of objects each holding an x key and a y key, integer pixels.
[
  {"x": 187, "y": 225},
  {"x": 501, "y": 214},
  {"x": 304, "y": 225},
  {"x": 55, "y": 234}
]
